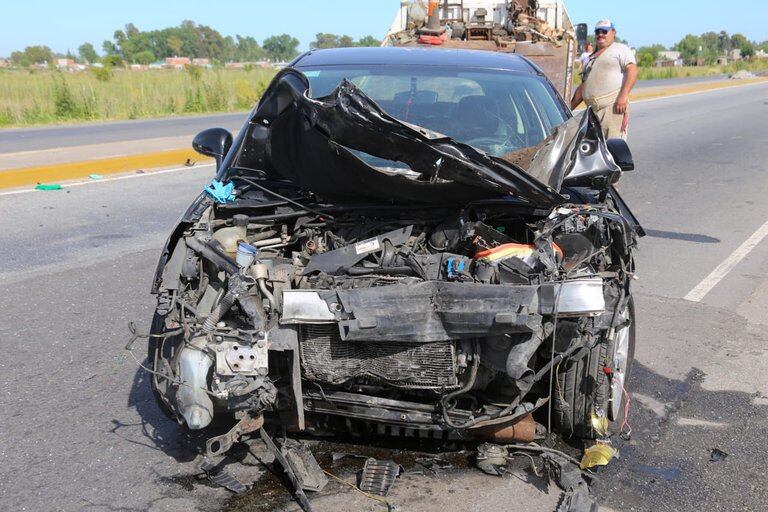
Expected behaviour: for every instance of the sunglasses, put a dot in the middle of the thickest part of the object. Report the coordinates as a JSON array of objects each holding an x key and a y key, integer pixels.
[{"x": 601, "y": 32}]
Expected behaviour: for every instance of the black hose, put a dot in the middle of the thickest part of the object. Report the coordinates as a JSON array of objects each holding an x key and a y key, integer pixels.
[
  {"x": 467, "y": 387},
  {"x": 213, "y": 254},
  {"x": 219, "y": 311}
]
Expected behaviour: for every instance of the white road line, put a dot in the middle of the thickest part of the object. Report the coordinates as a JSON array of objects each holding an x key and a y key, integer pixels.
[
  {"x": 722, "y": 270},
  {"x": 115, "y": 178}
]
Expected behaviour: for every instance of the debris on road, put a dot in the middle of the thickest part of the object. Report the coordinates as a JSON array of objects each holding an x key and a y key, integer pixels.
[
  {"x": 304, "y": 465},
  {"x": 599, "y": 454},
  {"x": 742, "y": 74},
  {"x": 378, "y": 476},
  {"x": 219, "y": 476},
  {"x": 96, "y": 177},
  {"x": 717, "y": 455},
  {"x": 51, "y": 186}
]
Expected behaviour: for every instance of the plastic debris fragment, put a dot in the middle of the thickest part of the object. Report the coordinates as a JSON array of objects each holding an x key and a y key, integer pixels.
[
  {"x": 599, "y": 423},
  {"x": 219, "y": 476},
  {"x": 599, "y": 454},
  {"x": 220, "y": 192},
  {"x": 52, "y": 186},
  {"x": 378, "y": 476},
  {"x": 96, "y": 176},
  {"x": 717, "y": 455}
]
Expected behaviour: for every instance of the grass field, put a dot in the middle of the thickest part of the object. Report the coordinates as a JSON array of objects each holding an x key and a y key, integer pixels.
[
  {"x": 692, "y": 71},
  {"x": 38, "y": 97}
]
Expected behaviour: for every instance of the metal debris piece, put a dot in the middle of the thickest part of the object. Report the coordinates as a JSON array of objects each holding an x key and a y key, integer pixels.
[
  {"x": 717, "y": 455},
  {"x": 299, "y": 493},
  {"x": 220, "y": 476},
  {"x": 575, "y": 501},
  {"x": 304, "y": 465},
  {"x": 492, "y": 459},
  {"x": 570, "y": 479},
  {"x": 433, "y": 463},
  {"x": 599, "y": 454},
  {"x": 337, "y": 456},
  {"x": 378, "y": 476},
  {"x": 219, "y": 445}
]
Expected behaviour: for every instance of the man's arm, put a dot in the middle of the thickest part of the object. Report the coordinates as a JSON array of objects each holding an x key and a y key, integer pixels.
[
  {"x": 630, "y": 77},
  {"x": 577, "y": 96}
]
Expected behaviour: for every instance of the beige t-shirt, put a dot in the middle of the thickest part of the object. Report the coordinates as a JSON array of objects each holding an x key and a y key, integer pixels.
[{"x": 605, "y": 74}]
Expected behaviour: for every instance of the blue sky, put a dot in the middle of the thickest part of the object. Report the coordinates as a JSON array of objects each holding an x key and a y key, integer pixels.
[{"x": 65, "y": 24}]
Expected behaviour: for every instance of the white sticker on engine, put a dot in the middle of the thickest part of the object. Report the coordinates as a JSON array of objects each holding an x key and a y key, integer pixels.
[{"x": 367, "y": 246}]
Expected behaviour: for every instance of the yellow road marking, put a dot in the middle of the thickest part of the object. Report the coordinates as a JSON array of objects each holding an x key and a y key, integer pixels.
[{"x": 74, "y": 170}]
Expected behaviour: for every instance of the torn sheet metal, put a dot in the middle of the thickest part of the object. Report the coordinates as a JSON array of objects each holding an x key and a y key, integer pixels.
[{"x": 310, "y": 142}]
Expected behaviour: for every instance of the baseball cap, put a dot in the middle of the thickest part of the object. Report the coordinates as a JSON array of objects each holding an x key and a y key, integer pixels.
[{"x": 604, "y": 25}]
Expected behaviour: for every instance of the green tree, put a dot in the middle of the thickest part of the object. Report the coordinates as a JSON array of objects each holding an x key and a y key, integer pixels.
[
  {"x": 690, "y": 48},
  {"x": 32, "y": 55},
  {"x": 281, "y": 48},
  {"x": 247, "y": 49},
  {"x": 109, "y": 48},
  {"x": 368, "y": 41},
  {"x": 739, "y": 41},
  {"x": 144, "y": 57},
  {"x": 346, "y": 42},
  {"x": 175, "y": 45},
  {"x": 88, "y": 53},
  {"x": 112, "y": 61},
  {"x": 323, "y": 41},
  {"x": 748, "y": 50}
]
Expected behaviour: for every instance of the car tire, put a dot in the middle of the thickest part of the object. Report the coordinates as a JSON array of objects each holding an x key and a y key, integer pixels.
[
  {"x": 153, "y": 345},
  {"x": 583, "y": 386}
]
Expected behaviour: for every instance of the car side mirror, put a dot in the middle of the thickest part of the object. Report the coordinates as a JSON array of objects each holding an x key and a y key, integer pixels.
[
  {"x": 621, "y": 154},
  {"x": 213, "y": 142}
]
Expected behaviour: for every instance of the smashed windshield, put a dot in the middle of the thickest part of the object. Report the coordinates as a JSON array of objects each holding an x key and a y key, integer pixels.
[{"x": 498, "y": 112}]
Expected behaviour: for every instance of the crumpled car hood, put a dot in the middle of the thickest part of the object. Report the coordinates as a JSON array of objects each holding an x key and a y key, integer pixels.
[{"x": 312, "y": 143}]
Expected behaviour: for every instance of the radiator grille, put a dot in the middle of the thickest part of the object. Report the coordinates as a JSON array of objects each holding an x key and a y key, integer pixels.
[{"x": 326, "y": 358}]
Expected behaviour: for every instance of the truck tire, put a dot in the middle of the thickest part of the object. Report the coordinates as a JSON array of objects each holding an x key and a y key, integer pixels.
[{"x": 583, "y": 386}]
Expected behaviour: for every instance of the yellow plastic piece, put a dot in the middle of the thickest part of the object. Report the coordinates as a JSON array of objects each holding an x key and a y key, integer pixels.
[{"x": 599, "y": 454}]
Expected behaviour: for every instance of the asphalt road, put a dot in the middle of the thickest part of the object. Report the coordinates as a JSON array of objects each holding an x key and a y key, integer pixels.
[
  {"x": 80, "y": 430},
  {"x": 33, "y": 139}
]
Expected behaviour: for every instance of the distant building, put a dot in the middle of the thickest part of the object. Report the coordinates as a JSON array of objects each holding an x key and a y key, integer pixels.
[
  {"x": 5, "y": 63},
  {"x": 139, "y": 67},
  {"x": 735, "y": 54},
  {"x": 64, "y": 63},
  {"x": 669, "y": 59},
  {"x": 761, "y": 54},
  {"x": 177, "y": 62},
  {"x": 202, "y": 62}
]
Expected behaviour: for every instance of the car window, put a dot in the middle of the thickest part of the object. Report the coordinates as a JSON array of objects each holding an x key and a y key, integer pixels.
[{"x": 497, "y": 112}]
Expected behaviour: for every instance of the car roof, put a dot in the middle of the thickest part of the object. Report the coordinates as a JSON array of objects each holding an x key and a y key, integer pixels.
[{"x": 411, "y": 56}]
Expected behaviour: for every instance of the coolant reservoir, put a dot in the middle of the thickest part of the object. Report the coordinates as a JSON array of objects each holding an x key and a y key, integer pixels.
[{"x": 229, "y": 237}]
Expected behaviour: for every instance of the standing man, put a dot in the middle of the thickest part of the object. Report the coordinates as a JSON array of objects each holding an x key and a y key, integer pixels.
[
  {"x": 607, "y": 79},
  {"x": 586, "y": 54}
]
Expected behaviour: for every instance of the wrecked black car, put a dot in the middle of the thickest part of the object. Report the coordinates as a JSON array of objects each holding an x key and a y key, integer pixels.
[{"x": 418, "y": 242}]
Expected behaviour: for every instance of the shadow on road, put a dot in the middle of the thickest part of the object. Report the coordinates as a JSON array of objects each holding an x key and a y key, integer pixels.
[
  {"x": 159, "y": 431},
  {"x": 685, "y": 237}
]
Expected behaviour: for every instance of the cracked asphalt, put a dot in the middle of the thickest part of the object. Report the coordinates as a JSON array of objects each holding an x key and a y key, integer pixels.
[{"x": 79, "y": 429}]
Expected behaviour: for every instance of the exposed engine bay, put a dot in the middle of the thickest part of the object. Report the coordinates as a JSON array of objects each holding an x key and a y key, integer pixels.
[
  {"x": 310, "y": 306},
  {"x": 444, "y": 314}
]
